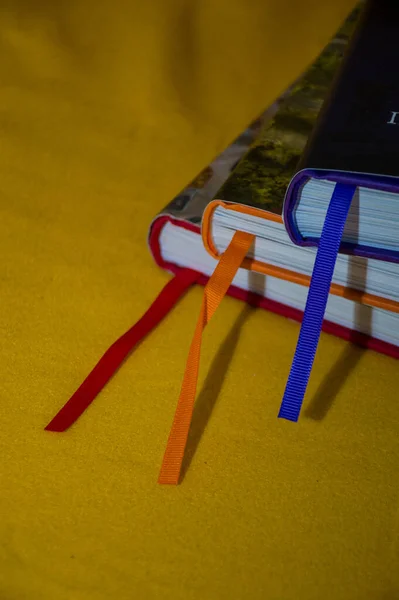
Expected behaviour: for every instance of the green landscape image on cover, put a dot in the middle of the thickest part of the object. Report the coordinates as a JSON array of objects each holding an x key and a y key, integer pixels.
[{"x": 262, "y": 176}]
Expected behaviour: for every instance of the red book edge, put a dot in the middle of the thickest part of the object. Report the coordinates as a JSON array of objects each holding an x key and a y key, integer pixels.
[{"x": 257, "y": 301}]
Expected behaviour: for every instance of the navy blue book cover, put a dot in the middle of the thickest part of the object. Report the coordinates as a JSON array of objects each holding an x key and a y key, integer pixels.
[{"x": 358, "y": 127}]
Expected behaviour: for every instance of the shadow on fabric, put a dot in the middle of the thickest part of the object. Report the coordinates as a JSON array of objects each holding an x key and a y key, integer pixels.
[
  {"x": 210, "y": 391},
  {"x": 324, "y": 397}
]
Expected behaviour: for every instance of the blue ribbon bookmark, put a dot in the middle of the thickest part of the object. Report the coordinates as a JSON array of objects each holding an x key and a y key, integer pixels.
[{"x": 316, "y": 303}]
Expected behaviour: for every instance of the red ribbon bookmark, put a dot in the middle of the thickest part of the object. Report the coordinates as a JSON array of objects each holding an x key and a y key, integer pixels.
[{"x": 116, "y": 354}]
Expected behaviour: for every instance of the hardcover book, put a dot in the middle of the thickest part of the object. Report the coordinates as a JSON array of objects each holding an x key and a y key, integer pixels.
[
  {"x": 356, "y": 141},
  {"x": 249, "y": 180}
]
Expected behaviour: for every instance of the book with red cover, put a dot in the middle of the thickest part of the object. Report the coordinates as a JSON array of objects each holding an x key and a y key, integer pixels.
[
  {"x": 250, "y": 178},
  {"x": 254, "y": 172}
]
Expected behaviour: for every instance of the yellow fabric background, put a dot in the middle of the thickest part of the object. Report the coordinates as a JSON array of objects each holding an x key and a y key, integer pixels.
[{"x": 106, "y": 110}]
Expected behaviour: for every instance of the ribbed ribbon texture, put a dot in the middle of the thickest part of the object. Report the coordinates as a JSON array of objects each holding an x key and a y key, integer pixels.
[
  {"x": 110, "y": 362},
  {"x": 316, "y": 303},
  {"x": 214, "y": 292}
]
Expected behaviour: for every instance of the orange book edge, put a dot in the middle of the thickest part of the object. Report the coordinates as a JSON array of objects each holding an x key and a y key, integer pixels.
[{"x": 279, "y": 272}]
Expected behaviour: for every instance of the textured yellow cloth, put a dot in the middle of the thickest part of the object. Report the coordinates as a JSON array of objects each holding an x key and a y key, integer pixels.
[{"x": 106, "y": 110}]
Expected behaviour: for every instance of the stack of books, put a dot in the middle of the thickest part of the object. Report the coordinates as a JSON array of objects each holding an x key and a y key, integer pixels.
[
  {"x": 318, "y": 172},
  {"x": 338, "y": 122}
]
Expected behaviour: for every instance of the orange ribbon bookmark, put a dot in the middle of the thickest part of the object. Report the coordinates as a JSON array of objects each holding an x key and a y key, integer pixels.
[{"x": 214, "y": 292}]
